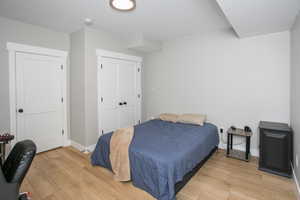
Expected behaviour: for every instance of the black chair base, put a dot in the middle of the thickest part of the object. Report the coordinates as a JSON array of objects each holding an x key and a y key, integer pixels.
[{"x": 24, "y": 197}]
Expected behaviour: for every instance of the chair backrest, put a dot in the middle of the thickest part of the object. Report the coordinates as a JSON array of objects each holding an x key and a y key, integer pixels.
[{"x": 18, "y": 161}]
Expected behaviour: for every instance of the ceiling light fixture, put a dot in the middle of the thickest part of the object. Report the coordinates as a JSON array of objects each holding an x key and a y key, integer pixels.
[
  {"x": 123, "y": 5},
  {"x": 88, "y": 21}
]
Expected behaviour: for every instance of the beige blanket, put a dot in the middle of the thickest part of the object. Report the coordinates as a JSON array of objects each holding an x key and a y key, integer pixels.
[{"x": 119, "y": 153}]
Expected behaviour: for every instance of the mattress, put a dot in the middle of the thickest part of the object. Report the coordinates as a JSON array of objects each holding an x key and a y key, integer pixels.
[{"x": 161, "y": 153}]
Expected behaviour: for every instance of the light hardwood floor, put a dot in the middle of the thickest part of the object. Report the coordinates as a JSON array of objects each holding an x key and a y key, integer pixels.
[{"x": 66, "y": 174}]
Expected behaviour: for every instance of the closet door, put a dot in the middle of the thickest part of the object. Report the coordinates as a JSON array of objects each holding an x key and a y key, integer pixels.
[
  {"x": 118, "y": 94},
  {"x": 109, "y": 108},
  {"x": 127, "y": 93},
  {"x": 39, "y": 105}
]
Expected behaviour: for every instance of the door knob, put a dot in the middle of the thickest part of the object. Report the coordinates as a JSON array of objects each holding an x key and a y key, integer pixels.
[
  {"x": 124, "y": 103},
  {"x": 20, "y": 110},
  {"x": 120, "y": 104}
]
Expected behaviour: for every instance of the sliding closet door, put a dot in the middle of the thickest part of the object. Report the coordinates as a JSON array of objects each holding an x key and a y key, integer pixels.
[
  {"x": 109, "y": 108},
  {"x": 127, "y": 93}
]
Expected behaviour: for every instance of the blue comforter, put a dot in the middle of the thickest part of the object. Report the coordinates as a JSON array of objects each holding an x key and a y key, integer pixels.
[{"x": 161, "y": 153}]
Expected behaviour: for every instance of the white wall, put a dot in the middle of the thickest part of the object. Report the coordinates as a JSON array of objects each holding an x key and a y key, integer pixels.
[
  {"x": 14, "y": 31},
  {"x": 234, "y": 81},
  {"x": 295, "y": 89}
]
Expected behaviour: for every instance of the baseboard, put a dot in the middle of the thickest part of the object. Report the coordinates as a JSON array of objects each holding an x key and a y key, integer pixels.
[
  {"x": 253, "y": 151},
  {"x": 67, "y": 143},
  {"x": 91, "y": 148},
  {"x": 78, "y": 146},
  {"x": 82, "y": 148},
  {"x": 297, "y": 189}
]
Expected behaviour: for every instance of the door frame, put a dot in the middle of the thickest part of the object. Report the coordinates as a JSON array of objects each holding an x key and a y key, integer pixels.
[
  {"x": 102, "y": 53},
  {"x": 13, "y": 49}
]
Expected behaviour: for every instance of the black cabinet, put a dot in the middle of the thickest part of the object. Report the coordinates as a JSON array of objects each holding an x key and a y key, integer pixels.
[{"x": 275, "y": 148}]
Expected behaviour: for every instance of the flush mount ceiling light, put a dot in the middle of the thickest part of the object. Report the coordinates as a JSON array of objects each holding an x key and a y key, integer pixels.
[
  {"x": 88, "y": 21},
  {"x": 123, "y": 5}
]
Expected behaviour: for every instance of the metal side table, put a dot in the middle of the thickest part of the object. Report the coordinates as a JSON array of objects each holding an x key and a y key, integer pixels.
[
  {"x": 241, "y": 155},
  {"x": 4, "y": 140}
]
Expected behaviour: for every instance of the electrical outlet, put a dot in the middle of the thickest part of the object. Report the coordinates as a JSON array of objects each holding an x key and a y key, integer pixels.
[{"x": 296, "y": 161}]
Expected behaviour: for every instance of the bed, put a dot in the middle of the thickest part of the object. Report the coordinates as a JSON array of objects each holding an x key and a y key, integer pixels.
[{"x": 163, "y": 155}]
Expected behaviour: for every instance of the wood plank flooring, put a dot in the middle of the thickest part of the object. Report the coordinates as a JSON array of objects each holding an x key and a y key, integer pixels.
[{"x": 66, "y": 174}]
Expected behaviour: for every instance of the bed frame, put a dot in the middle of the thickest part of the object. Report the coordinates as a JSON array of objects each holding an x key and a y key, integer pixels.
[{"x": 179, "y": 185}]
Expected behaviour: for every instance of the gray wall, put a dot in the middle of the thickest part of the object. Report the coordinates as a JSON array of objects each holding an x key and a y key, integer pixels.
[
  {"x": 86, "y": 130},
  {"x": 77, "y": 83},
  {"x": 97, "y": 39},
  {"x": 14, "y": 31},
  {"x": 82, "y": 71},
  {"x": 295, "y": 89},
  {"x": 234, "y": 81}
]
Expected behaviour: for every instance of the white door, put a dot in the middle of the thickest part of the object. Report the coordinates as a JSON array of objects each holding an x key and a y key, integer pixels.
[
  {"x": 39, "y": 100},
  {"x": 118, "y": 94},
  {"x": 109, "y": 118},
  {"x": 127, "y": 93}
]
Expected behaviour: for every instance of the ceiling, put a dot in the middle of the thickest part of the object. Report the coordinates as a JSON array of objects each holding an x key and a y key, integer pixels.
[
  {"x": 256, "y": 17},
  {"x": 155, "y": 19}
]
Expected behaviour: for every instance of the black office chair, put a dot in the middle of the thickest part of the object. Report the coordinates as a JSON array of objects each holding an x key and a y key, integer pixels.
[{"x": 14, "y": 169}]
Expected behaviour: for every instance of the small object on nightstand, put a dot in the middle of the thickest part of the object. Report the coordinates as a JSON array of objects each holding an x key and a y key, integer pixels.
[
  {"x": 241, "y": 155},
  {"x": 247, "y": 129},
  {"x": 6, "y": 137}
]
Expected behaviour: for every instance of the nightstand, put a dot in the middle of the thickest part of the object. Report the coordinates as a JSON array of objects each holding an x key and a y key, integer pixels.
[
  {"x": 4, "y": 140},
  {"x": 233, "y": 153}
]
